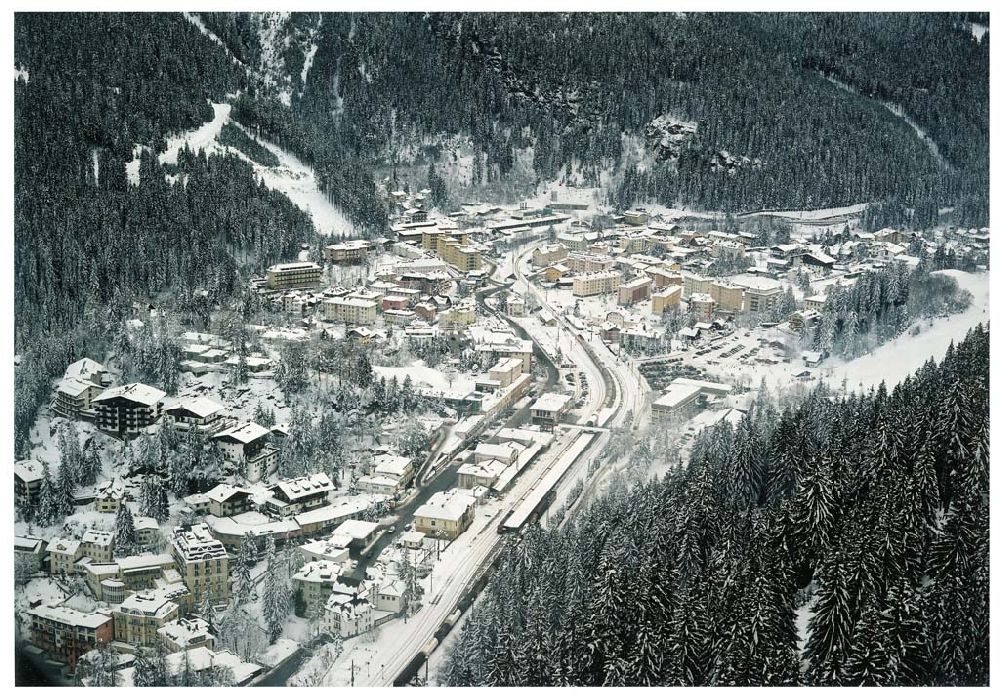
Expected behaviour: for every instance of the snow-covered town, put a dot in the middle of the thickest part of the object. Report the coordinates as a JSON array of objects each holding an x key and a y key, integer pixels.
[
  {"x": 499, "y": 419},
  {"x": 326, "y": 489}
]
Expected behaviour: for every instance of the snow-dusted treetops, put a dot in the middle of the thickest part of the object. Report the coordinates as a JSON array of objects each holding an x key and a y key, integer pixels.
[{"x": 843, "y": 541}]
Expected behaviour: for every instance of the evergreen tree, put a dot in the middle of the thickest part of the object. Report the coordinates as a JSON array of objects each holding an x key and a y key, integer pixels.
[
  {"x": 126, "y": 540},
  {"x": 275, "y": 603}
]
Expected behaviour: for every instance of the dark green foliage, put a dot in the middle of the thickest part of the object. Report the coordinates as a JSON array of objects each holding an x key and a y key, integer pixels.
[
  {"x": 697, "y": 579},
  {"x": 233, "y": 136}
]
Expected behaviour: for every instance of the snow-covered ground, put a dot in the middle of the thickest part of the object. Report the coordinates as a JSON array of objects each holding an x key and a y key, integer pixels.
[
  {"x": 241, "y": 401},
  {"x": 201, "y": 138},
  {"x": 425, "y": 377},
  {"x": 894, "y": 360},
  {"x": 298, "y": 181},
  {"x": 977, "y": 30},
  {"x": 815, "y": 214},
  {"x": 21, "y": 74}
]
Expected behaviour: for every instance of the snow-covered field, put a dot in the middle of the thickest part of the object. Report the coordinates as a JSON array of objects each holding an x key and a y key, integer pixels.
[
  {"x": 425, "y": 377},
  {"x": 201, "y": 138},
  {"x": 896, "y": 359}
]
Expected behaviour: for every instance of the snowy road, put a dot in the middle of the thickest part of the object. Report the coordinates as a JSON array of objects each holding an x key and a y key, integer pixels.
[{"x": 459, "y": 565}]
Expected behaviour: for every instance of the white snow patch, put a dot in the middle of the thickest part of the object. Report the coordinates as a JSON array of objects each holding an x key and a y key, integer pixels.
[
  {"x": 132, "y": 168},
  {"x": 895, "y": 360},
  {"x": 201, "y": 138},
  {"x": 427, "y": 377},
  {"x": 21, "y": 74},
  {"x": 309, "y": 55},
  {"x": 977, "y": 30},
  {"x": 97, "y": 164}
]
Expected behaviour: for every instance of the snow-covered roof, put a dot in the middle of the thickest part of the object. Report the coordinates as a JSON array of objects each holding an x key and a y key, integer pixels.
[
  {"x": 304, "y": 486},
  {"x": 243, "y": 433},
  {"x": 224, "y": 492},
  {"x": 447, "y": 505},
  {"x": 29, "y": 470},
  {"x": 71, "y": 617},
  {"x": 136, "y": 392},
  {"x": 356, "y": 529},
  {"x": 488, "y": 468},
  {"x": 200, "y": 406},
  {"x": 392, "y": 465},
  {"x": 551, "y": 403},
  {"x": 146, "y": 603},
  {"x": 318, "y": 571},
  {"x": 66, "y": 547},
  {"x": 73, "y": 387},
  {"x": 97, "y": 537},
  {"x": 182, "y": 632},
  {"x": 197, "y": 544},
  {"x": 145, "y": 560},
  {"x": 201, "y": 658},
  {"x": 85, "y": 369}
]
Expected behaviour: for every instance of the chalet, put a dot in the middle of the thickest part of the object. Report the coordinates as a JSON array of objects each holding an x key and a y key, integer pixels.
[
  {"x": 195, "y": 413},
  {"x": 299, "y": 495},
  {"x": 225, "y": 501},
  {"x": 248, "y": 442}
]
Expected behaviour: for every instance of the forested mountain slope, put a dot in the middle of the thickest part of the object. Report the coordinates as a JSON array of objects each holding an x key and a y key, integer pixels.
[
  {"x": 86, "y": 242},
  {"x": 867, "y": 514},
  {"x": 772, "y": 128}
]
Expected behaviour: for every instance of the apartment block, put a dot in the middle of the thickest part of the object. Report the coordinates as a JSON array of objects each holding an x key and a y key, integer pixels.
[
  {"x": 286, "y": 276},
  {"x": 65, "y": 634},
  {"x": 129, "y": 409},
  {"x": 596, "y": 283},
  {"x": 141, "y": 615},
  {"x": 350, "y": 310}
]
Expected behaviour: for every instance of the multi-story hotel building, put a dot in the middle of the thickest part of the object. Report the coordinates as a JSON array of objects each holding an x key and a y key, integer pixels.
[
  {"x": 141, "y": 615},
  {"x": 302, "y": 274},
  {"x": 128, "y": 409},
  {"x": 350, "y": 310},
  {"x": 65, "y": 634},
  {"x": 202, "y": 562},
  {"x": 352, "y": 251}
]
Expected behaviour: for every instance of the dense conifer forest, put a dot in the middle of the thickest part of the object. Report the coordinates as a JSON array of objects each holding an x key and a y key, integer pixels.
[
  {"x": 869, "y": 512},
  {"x": 806, "y": 99}
]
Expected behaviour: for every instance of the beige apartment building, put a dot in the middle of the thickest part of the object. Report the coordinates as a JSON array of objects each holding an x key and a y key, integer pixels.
[
  {"x": 302, "y": 274},
  {"x": 352, "y": 251},
  {"x": 446, "y": 514},
  {"x": 350, "y": 310},
  {"x": 202, "y": 562},
  {"x": 141, "y": 615},
  {"x": 667, "y": 299},
  {"x": 596, "y": 283}
]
